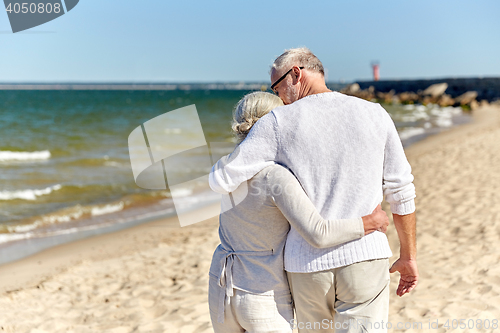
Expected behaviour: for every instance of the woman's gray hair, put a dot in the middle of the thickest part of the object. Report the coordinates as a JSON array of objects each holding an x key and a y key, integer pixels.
[
  {"x": 250, "y": 109},
  {"x": 298, "y": 57}
]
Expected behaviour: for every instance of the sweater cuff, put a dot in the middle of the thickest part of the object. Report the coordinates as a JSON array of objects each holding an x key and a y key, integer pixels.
[
  {"x": 403, "y": 208},
  {"x": 360, "y": 228},
  {"x": 214, "y": 183}
]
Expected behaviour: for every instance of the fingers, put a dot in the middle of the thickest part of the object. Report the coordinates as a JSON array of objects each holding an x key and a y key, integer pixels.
[
  {"x": 386, "y": 224},
  {"x": 409, "y": 276},
  {"x": 376, "y": 221},
  {"x": 405, "y": 287},
  {"x": 406, "y": 284},
  {"x": 410, "y": 288},
  {"x": 402, "y": 289}
]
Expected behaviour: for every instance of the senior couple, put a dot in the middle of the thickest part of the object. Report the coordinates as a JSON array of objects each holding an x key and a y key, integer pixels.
[{"x": 306, "y": 181}]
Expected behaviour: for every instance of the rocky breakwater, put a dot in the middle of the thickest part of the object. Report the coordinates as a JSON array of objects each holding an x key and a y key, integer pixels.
[{"x": 434, "y": 94}]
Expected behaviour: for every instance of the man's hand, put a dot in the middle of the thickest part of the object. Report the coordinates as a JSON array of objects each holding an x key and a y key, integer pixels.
[
  {"x": 407, "y": 262},
  {"x": 376, "y": 221},
  {"x": 409, "y": 275}
]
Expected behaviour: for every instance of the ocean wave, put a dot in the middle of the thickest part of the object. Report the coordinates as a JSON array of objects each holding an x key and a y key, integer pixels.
[
  {"x": 409, "y": 107},
  {"x": 410, "y": 131},
  {"x": 66, "y": 215},
  {"x": 12, "y": 237},
  {"x": 101, "y": 210},
  {"x": 116, "y": 164},
  {"x": 443, "y": 122},
  {"x": 28, "y": 194},
  {"x": 24, "y": 155},
  {"x": 178, "y": 193},
  {"x": 20, "y": 232},
  {"x": 22, "y": 228},
  {"x": 444, "y": 115},
  {"x": 82, "y": 218}
]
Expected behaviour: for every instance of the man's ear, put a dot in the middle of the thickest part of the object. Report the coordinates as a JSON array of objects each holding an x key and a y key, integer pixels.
[{"x": 298, "y": 75}]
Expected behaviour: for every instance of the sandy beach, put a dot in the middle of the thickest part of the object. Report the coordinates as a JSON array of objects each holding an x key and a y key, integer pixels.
[{"x": 154, "y": 277}]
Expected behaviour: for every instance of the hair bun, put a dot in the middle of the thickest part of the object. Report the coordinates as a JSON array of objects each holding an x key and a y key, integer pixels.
[{"x": 245, "y": 127}]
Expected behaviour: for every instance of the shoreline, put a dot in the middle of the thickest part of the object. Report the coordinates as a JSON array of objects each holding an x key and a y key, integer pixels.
[
  {"x": 482, "y": 118},
  {"x": 153, "y": 277},
  {"x": 15, "y": 275},
  {"x": 45, "y": 238}
]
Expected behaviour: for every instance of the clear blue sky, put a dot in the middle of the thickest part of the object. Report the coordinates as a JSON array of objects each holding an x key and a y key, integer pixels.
[{"x": 204, "y": 41}]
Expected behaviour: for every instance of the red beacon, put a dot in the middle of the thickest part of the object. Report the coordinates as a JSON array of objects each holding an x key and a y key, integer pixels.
[{"x": 376, "y": 72}]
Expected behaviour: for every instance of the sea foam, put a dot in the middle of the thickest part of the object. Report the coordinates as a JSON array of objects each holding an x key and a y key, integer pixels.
[
  {"x": 410, "y": 131},
  {"x": 29, "y": 194},
  {"x": 110, "y": 208},
  {"x": 24, "y": 155}
]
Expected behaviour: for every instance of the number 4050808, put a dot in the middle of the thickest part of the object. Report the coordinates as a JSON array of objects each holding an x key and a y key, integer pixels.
[{"x": 33, "y": 8}]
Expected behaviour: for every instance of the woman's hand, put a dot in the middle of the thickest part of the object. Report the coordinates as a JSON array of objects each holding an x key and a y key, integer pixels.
[{"x": 376, "y": 221}]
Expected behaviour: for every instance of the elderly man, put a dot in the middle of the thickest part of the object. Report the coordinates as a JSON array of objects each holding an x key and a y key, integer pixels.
[{"x": 347, "y": 155}]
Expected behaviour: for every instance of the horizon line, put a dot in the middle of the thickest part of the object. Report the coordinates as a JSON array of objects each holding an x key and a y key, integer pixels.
[
  {"x": 230, "y": 85},
  {"x": 232, "y": 82}
]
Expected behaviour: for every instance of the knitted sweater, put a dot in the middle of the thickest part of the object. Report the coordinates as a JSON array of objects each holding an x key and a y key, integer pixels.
[
  {"x": 253, "y": 234},
  {"x": 345, "y": 152}
]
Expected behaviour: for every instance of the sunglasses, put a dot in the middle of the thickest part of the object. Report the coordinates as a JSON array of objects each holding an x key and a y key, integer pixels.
[{"x": 281, "y": 79}]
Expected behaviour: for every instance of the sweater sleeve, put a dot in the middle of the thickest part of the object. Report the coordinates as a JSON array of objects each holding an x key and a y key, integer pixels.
[
  {"x": 256, "y": 152},
  {"x": 289, "y": 196},
  {"x": 397, "y": 184}
]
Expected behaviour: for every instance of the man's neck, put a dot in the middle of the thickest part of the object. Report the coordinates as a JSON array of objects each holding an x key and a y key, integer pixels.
[{"x": 313, "y": 88}]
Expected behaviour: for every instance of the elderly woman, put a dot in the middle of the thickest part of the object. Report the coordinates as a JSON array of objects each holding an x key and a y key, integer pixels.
[{"x": 248, "y": 289}]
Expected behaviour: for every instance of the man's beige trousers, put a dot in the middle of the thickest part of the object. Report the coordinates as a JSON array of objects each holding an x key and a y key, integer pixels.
[{"x": 347, "y": 299}]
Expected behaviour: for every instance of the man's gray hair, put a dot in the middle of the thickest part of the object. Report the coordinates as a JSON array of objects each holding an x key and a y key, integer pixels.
[{"x": 301, "y": 56}]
